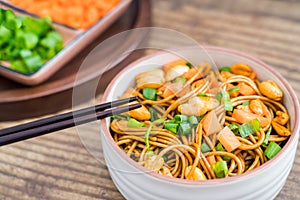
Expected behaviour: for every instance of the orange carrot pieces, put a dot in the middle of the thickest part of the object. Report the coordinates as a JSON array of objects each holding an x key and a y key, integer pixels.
[
  {"x": 166, "y": 67},
  {"x": 211, "y": 159},
  {"x": 228, "y": 139},
  {"x": 77, "y": 13},
  {"x": 210, "y": 123},
  {"x": 191, "y": 73}
]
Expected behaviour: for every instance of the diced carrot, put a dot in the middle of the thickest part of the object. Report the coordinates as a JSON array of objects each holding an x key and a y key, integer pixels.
[
  {"x": 243, "y": 116},
  {"x": 210, "y": 123},
  {"x": 211, "y": 159},
  {"x": 232, "y": 94},
  {"x": 245, "y": 89},
  {"x": 191, "y": 73},
  {"x": 199, "y": 83},
  {"x": 174, "y": 88},
  {"x": 228, "y": 139},
  {"x": 166, "y": 67},
  {"x": 83, "y": 13}
]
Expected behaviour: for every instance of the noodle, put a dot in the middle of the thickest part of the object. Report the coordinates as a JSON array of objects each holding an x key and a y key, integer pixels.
[{"x": 202, "y": 124}]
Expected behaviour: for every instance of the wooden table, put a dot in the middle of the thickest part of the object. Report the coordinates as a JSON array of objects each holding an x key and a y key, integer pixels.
[{"x": 58, "y": 166}]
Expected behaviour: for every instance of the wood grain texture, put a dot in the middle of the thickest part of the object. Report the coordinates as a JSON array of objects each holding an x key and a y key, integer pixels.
[{"x": 58, "y": 166}]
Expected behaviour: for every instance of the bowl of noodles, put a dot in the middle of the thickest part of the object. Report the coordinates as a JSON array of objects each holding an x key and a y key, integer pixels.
[{"x": 214, "y": 124}]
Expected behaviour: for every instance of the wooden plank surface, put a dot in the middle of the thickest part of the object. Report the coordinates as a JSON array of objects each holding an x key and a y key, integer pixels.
[{"x": 58, "y": 166}]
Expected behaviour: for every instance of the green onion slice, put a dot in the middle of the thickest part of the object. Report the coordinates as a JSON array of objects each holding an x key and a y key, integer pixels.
[
  {"x": 234, "y": 89},
  {"x": 149, "y": 93},
  {"x": 189, "y": 64},
  {"x": 122, "y": 117},
  {"x": 234, "y": 127},
  {"x": 266, "y": 140},
  {"x": 133, "y": 123},
  {"x": 146, "y": 137},
  {"x": 159, "y": 121},
  {"x": 181, "y": 118},
  {"x": 153, "y": 114},
  {"x": 226, "y": 99},
  {"x": 185, "y": 128},
  {"x": 249, "y": 128},
  {"x": 220, "y": 147},
  {"x": 180, "y": 79},
  {"x": 205, "y": 148},
  {"x": 219, "y": 96},
  {"x": 193, "y": 120},
  {"x": 171, "y": 127},
  {"x": 225, "y": 68},
  {"x": 150, "y": 153},
  {"x": 220, "y": 168},
  {"x": 245, "y": 103},
  {"x": 205, "y": 95},
  {"x": 272, "y": 150}
]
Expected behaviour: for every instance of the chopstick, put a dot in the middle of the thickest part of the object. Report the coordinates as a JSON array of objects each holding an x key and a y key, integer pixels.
[{"x": 63, "y": 121}]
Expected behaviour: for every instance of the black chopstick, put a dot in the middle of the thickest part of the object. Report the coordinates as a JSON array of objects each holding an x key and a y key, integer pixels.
[
  {"x": 45, "y": 128},
  {"x": 66, "y": 116}
]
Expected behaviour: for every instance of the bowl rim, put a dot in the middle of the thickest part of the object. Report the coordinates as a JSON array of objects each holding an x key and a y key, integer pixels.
[{"x": 293, "y": 138}]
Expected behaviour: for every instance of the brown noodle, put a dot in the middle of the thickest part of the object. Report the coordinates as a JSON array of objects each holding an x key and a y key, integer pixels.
[{"x": 175, "y": 152}]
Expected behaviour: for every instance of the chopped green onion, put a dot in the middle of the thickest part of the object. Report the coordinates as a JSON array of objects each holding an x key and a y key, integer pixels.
[
  {"x": 178, "y": 79},
  {"x": 146, "y": 137},
  {"x": 171, "y": 127},
  {"x": 181, "y": 118},
  {"x": 245, "y": 103},
  {"x": 122, "y": 117},
  {"x": 219, "y": 96},
  {"x": 149, "y": 93},
  {"x": 205, "y": 95},
  {"x": 205, "y": 148},
  {"x": 27, "y": 40},
  {"x": 193, "y": 120},
  {"x": 233, "y": 90},
  {"x": 5, "y": 35},
  {"x": 19, "y": 66},
  {"x": 185, "y": 128},
  {"x": 150, "y": 153},
  {"x": 133, "y": 123},
  {"x": 220, "y": 168},
  {"x": 226, "y": 99},
  {"x": 234, "y": 127},
  {"x": 225, "y": 68},
  {"x": 272, "y": 149},
  {"x": 33, "y": 62},
  {"x": 199, "y": 118},
  {"x": 172, "y": 121},
  {"x": 266, "y": 140},
  {"x": 159, "y": 121},
  {"x": 153, "y": 114},
  {"x": 165, "y": 158},
  {"x": 220, "y": 147},
  {"x": 11, "y": 21},
  {"x": 189, "y": 64},
  {"x": 27, "y": 43},
  {"x": 249, "y": 128}
]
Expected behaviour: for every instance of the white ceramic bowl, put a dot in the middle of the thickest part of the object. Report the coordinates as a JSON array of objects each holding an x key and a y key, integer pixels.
[{"x": 135, "y": 182}]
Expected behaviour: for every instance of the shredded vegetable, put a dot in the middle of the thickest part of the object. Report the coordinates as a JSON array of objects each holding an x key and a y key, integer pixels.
[{"x": 76, "y": 13}]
